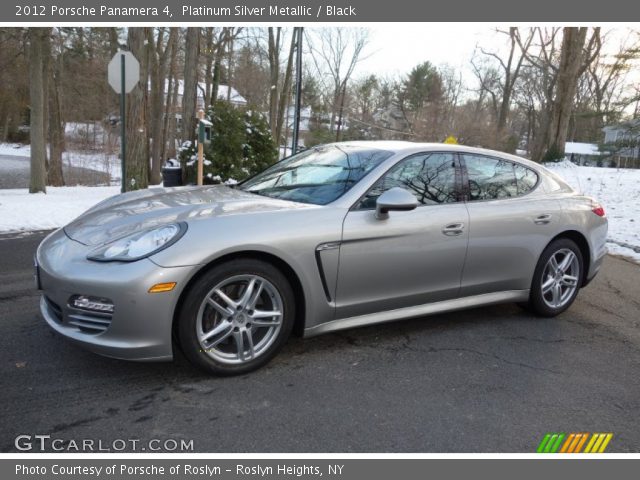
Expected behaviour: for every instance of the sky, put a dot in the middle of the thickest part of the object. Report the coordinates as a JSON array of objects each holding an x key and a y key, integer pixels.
[{"x": 395, "y": 48}]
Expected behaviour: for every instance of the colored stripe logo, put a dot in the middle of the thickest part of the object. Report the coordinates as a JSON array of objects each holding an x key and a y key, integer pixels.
[{"x": 574, "y": 443}]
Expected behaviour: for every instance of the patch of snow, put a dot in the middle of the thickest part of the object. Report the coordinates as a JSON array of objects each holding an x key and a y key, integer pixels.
[
  {"x": 15, "y": 149},
  {"x": 22, "y": 211},
  {"x": 618, "y": 190},
  {"x": 102, "y": 162}
]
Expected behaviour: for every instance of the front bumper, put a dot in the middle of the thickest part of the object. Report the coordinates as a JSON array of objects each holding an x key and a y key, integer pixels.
[{"x": 140, "y": 326}]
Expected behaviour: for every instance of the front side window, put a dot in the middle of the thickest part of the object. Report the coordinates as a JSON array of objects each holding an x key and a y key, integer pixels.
[
  {"x": 318, "y": 176},
  {"x": 431, "y": 177}
]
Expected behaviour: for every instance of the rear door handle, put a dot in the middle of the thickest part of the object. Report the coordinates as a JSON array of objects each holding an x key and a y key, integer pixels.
[
  {"x": 453, "y": 229},
  {"x": 543, "y": 219}
]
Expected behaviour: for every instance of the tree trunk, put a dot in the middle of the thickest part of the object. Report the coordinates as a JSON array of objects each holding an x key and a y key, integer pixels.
[
  {"x": 38, "y": 38},
  {"x": 55, "y": 176},
  {"x": 215, "y": 81},
  {"x": 209, "y": 54},
  {"x": 170, "y": 103},
  {"x": 137, "y": 148},
  {"x": 571, "y": 60},
  {"x": 274, "y": 79},
  {"x": 114, "y": 42},
  {"x": 190, "y": 92},
  {"x": 158, "y": 89}
]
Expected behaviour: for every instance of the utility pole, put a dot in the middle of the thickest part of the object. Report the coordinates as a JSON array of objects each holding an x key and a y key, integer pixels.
[
  {"x": 298, "y": 100},
  {"x": 200, "y": 149},
  {"x": 339, "y": 130}
]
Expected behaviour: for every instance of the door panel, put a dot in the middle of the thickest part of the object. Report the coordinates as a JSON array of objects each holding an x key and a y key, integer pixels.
[
  {"x": 410, "y": 258},
  {"x": 505, "y": 241},
  {"x": 509, "y": 225}
]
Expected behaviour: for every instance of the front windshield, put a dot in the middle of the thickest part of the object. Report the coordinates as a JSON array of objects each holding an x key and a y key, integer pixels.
[{"x": 319, "y": 175}]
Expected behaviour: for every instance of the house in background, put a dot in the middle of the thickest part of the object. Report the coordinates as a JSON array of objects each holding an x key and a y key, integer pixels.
[
  {"x": 623, "y": 140},
  {"x": 583, "y": 153},
  {"x": 224, "y": 92}
]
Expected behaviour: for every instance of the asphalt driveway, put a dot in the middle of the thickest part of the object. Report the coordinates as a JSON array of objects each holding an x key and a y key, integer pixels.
[{"x": 492, "y": 379}]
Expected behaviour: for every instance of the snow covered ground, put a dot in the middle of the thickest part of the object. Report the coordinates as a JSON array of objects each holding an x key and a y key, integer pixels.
[
  {"x": 618, "y": 190},
  {"x": 15, "y": 149},
  {"x": 101, "y": 162},
  {"x": 21, "y": 211}
]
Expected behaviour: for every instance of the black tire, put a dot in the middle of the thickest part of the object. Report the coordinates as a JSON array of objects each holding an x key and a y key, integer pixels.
[
  {"x": 537, "y": 303},
  {"x": 188, "y": 315}
]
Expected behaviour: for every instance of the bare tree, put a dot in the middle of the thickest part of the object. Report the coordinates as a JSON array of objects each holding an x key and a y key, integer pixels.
[
  {"x": 190, "y": 88},
  {"x": 335, "y": 53},
  {"x": 510, "y": 72},
  {"x": 280, "y": 86},
  {"x": 574, "y": 60},
  {"x": 137, "y": 148},
  {"x": 158, "y": 73},
  {"x": 39, "y": 39},
  {"x": 559, "y": 72},
  {"x": 170, "y": 107},
  {"x": 55, "y": 176}
]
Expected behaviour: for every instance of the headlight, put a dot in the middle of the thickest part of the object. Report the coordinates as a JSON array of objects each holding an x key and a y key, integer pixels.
[{"x": 140, "y": 244}]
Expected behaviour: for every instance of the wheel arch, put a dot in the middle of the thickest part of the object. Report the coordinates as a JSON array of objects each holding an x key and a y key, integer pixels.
[
  {"x": 274, "y": 260},
  {"x": 581, "y": 241}
]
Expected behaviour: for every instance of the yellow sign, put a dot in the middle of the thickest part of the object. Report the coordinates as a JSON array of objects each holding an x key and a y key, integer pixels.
[{"x": 451, "y": 140}]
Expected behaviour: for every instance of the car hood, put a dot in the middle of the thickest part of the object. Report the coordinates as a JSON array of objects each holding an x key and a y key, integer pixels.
[{"x": 130, "y": 212}]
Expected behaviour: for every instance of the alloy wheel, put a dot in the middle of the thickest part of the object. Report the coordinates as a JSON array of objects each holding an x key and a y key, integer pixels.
[
  {"x": 239, "y": 319},
  {"x": 560, "y": 278}
]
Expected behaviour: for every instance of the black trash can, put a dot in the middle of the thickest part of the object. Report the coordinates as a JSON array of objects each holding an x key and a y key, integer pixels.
[{"x": 172, "y": 176}]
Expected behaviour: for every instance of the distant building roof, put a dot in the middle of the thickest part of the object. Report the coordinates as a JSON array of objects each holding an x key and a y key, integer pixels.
[
  {"x": 581, "y": 148},
  {"x": 223, "y": 91},
  {"x": 628, "y": 125}
]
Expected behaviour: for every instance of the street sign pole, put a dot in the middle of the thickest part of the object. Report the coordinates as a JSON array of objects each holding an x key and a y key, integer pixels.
[
  {"x": 123, "y": 74},
  {"x": 123, "y": 132}
]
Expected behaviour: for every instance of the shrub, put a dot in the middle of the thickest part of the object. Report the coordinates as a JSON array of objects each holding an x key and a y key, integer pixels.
[{"x": 241, "y": 145}]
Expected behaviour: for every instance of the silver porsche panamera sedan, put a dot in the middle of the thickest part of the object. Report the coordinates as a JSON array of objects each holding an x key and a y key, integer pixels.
[{"x": 338, "y": 236}]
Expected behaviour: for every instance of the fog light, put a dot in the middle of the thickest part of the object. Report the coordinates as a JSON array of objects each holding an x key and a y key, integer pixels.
[
  {"x": 94, "y": 304},
  {"x": 162, "y": 287}
]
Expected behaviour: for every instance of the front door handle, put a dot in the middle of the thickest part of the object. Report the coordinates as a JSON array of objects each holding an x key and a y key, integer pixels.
[
  {"x": 453, "y": 229},
  {"x": 543, "y": 219}
]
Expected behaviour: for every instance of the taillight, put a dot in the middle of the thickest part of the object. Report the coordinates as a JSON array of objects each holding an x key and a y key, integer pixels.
[{"x": 597, "y": 209}]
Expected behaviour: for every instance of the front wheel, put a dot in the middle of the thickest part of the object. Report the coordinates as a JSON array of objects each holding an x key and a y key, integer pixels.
[
  {"x": 236, "y": 317},
  {"x": 557, "y": 278}
]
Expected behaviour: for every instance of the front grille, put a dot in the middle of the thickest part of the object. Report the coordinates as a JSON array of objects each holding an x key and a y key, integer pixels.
[
  {"x": 89, "y": 322},
  {"x": 54, "y": 308}
]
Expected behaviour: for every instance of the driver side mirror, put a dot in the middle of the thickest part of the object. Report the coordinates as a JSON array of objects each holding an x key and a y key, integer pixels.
[{"x": 394, "y": 199}]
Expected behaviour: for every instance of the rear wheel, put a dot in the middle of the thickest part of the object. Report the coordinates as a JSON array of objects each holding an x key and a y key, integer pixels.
[
  {"x": 236, "y": 317},
  {"x": 557, "y": 278}
]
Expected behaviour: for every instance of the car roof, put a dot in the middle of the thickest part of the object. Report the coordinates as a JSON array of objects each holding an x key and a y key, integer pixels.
[{"x": 399, "y": 146}]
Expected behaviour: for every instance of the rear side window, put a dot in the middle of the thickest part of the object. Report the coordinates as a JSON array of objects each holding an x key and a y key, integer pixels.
[
  {"x": 526, "y": 179},
  {"x": 494, "y": 178},
  {"x": 431, "y": 177}
]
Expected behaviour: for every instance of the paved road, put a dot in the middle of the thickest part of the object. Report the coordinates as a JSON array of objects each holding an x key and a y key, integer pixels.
[
  {"x": 14, "y": 173},
  {"x": 487, "y": 380}
]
